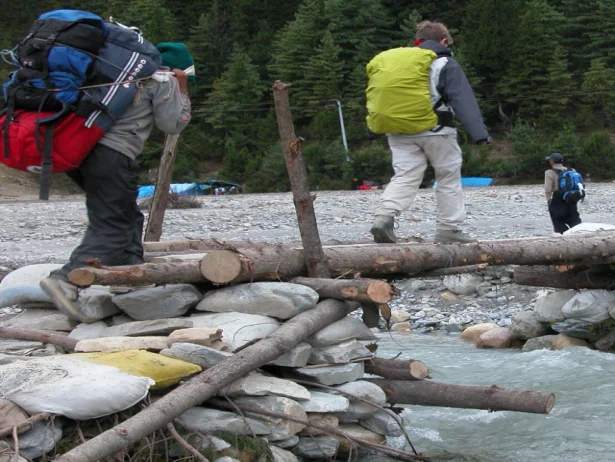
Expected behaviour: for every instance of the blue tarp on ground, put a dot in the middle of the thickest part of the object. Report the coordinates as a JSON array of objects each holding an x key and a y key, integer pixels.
[
  {"x": 470, "y": 182},
  {"x": 184, "y": 189}
]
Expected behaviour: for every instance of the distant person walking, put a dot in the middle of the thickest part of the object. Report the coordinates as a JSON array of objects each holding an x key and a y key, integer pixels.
[{"x": 563, "y": 189}]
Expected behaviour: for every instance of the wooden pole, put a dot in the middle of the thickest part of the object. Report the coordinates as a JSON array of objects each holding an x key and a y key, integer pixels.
[
  {"x": 38, "y": 336},
  {"x": 563, "y": 277},
  {"x": 394, "y": 369},
  {"x": 493, "y": 398},
  {"x": 208, "y": 383},
  {"x": 188, "y": 272},
  {"x": 356, "y": 290},
  {"x": 153, "y": 231},
  {"x": 315, "y": 258}
]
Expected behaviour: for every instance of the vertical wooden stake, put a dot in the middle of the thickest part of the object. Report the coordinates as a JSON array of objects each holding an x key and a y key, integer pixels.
[
  {"x": 153, "y": 231},
  {"x": 315, "y": 258}
]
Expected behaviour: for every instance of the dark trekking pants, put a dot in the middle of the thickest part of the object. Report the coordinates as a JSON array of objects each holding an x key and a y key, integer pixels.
[
  {"x": 563, "y": 215},
  {"x": 114, "y": 233}
]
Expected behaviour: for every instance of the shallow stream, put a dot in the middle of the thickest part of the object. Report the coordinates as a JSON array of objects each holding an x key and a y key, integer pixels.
[{"x": 581, "y": 426}]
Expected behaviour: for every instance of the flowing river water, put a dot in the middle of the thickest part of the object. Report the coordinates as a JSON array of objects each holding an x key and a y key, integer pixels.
[{"x": 580, "y": 428}]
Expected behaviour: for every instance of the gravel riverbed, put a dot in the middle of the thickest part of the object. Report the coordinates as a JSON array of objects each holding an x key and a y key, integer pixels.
[{"x": 38, "y": 232}]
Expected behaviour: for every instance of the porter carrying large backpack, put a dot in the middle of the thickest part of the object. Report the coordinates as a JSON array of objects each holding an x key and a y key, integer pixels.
[
  {"x": 75, "y": 76},
  {"x": 570, "y": 185},
  {"x": 398, "y": 94}
]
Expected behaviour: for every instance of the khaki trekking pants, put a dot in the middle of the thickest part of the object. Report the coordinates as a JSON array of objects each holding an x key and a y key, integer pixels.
[{"x": 410, "y": 157}]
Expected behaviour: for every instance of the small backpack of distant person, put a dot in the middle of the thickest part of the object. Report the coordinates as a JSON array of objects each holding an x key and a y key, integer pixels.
[{"x": 570, "y": 185}]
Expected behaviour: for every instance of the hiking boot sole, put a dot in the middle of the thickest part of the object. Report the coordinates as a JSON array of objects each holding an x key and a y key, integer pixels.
[
  {"x": 69, "y": 307},
  {"x": 381, "y": 237}
]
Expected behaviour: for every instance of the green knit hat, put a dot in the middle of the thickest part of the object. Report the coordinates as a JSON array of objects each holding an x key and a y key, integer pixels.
[{"x": 175, "y": 55}]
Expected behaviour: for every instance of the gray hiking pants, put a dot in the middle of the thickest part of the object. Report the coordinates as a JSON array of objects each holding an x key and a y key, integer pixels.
[
  {"x": 411, "y": 155},
  {"x": 115, "y": 223}
]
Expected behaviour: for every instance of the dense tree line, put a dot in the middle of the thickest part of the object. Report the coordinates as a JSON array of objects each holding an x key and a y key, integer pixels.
[{"x": 542, "y": 70}]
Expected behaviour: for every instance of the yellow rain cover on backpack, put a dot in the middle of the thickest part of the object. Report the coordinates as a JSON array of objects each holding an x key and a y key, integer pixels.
[{"x": 398, "y": 96}]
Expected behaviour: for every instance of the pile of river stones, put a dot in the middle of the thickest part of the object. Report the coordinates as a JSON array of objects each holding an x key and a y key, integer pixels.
[
  {"x": 491, "y": 311},
  {"x": 180, "y": 323}
]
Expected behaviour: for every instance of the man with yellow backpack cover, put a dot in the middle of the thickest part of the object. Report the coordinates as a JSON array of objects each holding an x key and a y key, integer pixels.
[{"x": 413, "y": 96}]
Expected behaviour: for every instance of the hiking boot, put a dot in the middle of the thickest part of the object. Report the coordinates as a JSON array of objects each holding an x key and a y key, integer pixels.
[
  {"x": 64, "y": 296},
  {"x": 448, "y": 236},
  {"x": 382, "y": 229}
]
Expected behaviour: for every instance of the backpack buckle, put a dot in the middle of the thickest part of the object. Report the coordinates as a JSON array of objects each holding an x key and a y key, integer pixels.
[{"x": 52, "y": 38}]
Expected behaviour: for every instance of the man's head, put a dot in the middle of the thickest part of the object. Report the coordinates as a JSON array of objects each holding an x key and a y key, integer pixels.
[
  {"x": 554, "y": 158},
  {"x": 436, "y": 31}
]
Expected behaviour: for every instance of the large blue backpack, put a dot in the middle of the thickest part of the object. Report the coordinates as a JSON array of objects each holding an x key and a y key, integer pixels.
[
  {"x": 570, "y": 185},
  {"x": 76, "y": 75}
]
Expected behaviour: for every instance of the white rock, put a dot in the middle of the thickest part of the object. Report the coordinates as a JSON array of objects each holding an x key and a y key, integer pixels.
[
  {"x": 281, "y": 429},
  {"x": 525, "y": 325},
  {"x": 345, "y": 329},
  {"x": 237, "y": 328},
  {"x": 359, "y": 409},
  {"x": 280, "y": 300},
  {"x": 462, "y": 284},
  {"x": 333, "y": 375},
  {"x": 121, "y": 344},
  {"x": 289, "y": 443},
  {"x": 280, "y": 455},
  {"x": 256, "y": 384},
  {"x": 22, "y": 285},
  {"x": 358, "y": 432},
  {"x": 399, "y": 316},
  {"x": 96, "y": 302},
  {"x": 297, "y": 357},
  {"x": 168, "y": 301},
  {"x": 40, "y": 439},
  {"x": 549, "y": 307},
  {"x": 203, "y": 356},
  {"x": 14, "y": 345},
  {"x": 154, "y": 327},
  {"x": 383, "y": 424},
  {"x": 88, "y": 330},
  {"x": 341, "y": 353},
  {"x": 205, "y": 336},
  {"x": 7, "y": 453},
  {"x": 38, "y": 319},
  {"x": 328, "y": 420},
  {"x": 321, "y": 402},
  {"x": 317, "y": 447},
  {"x": 201, "y": 419}
]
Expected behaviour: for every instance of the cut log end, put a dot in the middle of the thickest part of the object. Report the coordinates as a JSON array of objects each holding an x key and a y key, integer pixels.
[
  {"x": 81, "y": 277},
  {"x": 379, "y": 292},
  {"x": 418, "y": 369},
  {"x": 221, "y": 267}
]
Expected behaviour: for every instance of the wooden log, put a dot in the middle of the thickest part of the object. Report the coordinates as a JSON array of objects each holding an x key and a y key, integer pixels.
[
  {"x": 273, "y": 263},
  {"x": 208, "y": 383},
  {"x": 153, "y": 230},
  {"x": 393, "y": 369},
  {"x": 370, "y": 314},
  {"x": 493, "y": 398},
  {"x": 455, "y": 270},
  {"x": 197, "y": 245},
  {"x": 315, "y": 258},
  {"x": 38, "y": 336},
  {"x": 564, "y": 277},
  {"x": 148, "y": 273},
  {"x": 357, "y": 290}
]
